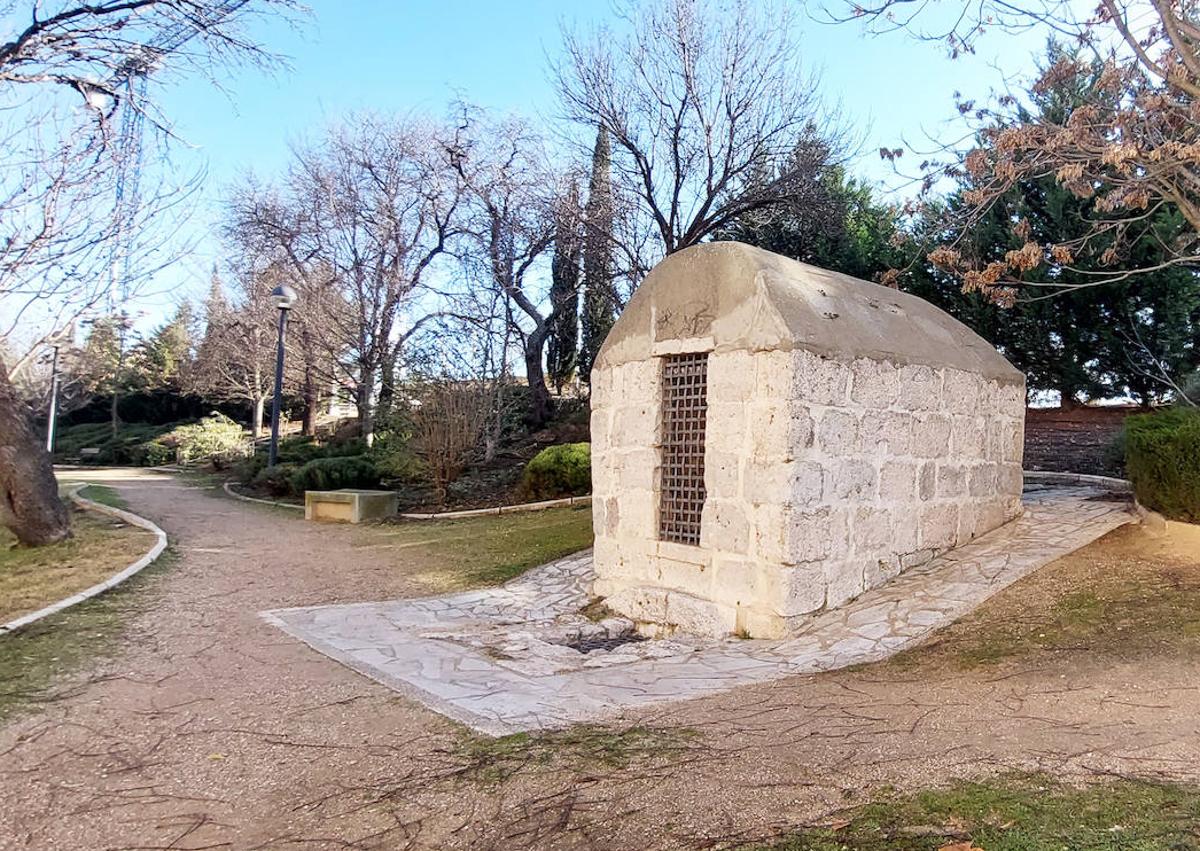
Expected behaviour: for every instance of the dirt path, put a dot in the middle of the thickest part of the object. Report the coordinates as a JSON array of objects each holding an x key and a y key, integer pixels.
[{"x": 214, "y": 730}]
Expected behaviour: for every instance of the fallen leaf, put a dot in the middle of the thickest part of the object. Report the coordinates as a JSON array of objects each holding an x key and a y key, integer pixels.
[{"x": 960, "y": 846}]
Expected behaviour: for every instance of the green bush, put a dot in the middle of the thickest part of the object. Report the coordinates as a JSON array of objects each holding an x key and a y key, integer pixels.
[
  {"x": 277, "y": 480},
  {"x": 324, "y": 474},
  {"x": 130, "y": 446},
  {"x": 246, "y": 469},
  {"x": 301, "y": 450},
  {"x": 1162, "y": 455},
  {"x": 557, "y": 471},
  {"x": 395, "y": 459},
  {"x": 215, "y": 438}
]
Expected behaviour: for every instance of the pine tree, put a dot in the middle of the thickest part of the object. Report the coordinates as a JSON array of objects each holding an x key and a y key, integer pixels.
[
  {"x": 562, "y": 353},
  {"x": 599, "y": 297},
  {"x": 1088, "y": 342},
  {"x": 160, "y": 362}
]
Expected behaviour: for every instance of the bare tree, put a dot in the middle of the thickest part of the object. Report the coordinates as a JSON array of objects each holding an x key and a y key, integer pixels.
[
  {"x": 511, "y": 225},
  {"x": 1130, "y": 147},
  {"x": 700, "y": 99},
  {"x": 235, "y": 359},
  {"x": 59, "y": 221},
  {"x": 359, "y": 221}
]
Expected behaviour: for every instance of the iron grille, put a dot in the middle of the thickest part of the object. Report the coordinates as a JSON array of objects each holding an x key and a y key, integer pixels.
[{"x": 684, "y": 415}]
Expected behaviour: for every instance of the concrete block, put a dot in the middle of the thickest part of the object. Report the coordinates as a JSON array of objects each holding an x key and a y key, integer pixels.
[{"x": 349, "y": 505}]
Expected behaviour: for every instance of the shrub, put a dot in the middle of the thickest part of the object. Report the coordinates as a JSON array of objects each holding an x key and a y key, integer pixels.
[
  {"x": 447, "y": 419},
  {"x": 277, "y": 480},
  {"x": 215, "y": 438},
  {"x": 556, "y": 471},
  {"x": 128, "y": 447},
  {"x": 301, "y": 450},
  {"x": 324, "y": 474},
  {"x": 246, "y": 469},
  {"x": 1162, "y": 455}
]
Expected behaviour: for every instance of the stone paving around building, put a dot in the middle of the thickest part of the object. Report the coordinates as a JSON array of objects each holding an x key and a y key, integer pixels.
[{"x": 522, "y": 657}]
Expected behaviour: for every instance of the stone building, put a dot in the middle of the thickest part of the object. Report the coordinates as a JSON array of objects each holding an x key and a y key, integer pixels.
[{"x": 770, "y": 439}]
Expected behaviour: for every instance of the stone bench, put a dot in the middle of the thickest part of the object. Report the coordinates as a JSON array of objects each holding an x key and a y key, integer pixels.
[
  {"x": 89, "y": 453},
  {"x": 349, "y": 505}
]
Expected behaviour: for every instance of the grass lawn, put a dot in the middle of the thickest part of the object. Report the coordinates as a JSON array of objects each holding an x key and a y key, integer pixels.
[
  {"x": 475, "y": 551},
  {"x": 34, "y": 658},
  {"x": 104, "y": 495},
  {"x": 100, "y": 546},
  {"x": 1125, "y": 595},
  {"x": 1015, "y": 813}
]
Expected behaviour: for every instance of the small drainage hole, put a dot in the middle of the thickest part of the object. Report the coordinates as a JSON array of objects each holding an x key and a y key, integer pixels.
[{"x": 587, "y": 645}]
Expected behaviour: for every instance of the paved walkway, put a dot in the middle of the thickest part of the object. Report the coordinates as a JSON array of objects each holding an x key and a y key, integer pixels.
[{"x": 497, "y": 661}]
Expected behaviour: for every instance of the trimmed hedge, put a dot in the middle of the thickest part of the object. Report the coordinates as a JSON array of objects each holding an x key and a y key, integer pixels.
[
  {"x": 558, "y": 471},
  {"x": 1162, "y": 456}
]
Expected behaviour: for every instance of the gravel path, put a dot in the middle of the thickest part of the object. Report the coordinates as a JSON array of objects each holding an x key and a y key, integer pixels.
[{"x": 215, "y": 730}]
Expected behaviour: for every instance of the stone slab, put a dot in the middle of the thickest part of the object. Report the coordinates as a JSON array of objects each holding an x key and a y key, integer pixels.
[{"x": 417, "y": 646}]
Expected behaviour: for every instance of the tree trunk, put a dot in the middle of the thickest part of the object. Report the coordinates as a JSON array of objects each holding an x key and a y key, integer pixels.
[
  {"x": 539, "y": 393},
  {"x": 312, "y": 399},
  {"x": 29, "y": 504},
  {"x": 256, "y": 417},
  {"x": 366, "y": 412},
  {"x": 387, "y": 388}
]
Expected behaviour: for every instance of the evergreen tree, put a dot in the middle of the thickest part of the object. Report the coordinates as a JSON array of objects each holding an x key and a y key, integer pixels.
[
  {"x": 845, "y": 230},
  {"x": 562, "y": 353},
  {"x": 599, "y": 298},
  {"x": 161, "y": 361},
  {"x": 1083, "y": 342}
]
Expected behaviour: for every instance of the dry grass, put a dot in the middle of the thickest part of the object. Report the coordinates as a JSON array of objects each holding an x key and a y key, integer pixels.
[
  {"x": 1124, "y": 596},
  {"x": 33, "y": 578}
]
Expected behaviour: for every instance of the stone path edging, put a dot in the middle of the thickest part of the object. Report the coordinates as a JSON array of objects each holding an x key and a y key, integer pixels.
[
  {"x": 113, "y": 581},
  {"x": 445, "y": 515},
  {"x": 1106, "y": 482},
  {"x": 228, "y": 488}
]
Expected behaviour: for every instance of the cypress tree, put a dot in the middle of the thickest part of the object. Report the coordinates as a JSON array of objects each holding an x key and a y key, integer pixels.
[
  {"x": 562, "y": 353},
  {"x": 599, "y": 298}
]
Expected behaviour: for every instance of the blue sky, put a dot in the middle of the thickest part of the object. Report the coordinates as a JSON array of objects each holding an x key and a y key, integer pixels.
[{"x": 416, "y": 55}]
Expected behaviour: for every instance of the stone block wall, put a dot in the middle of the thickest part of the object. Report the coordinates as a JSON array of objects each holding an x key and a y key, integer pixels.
[{"x": 824, "y": 478}]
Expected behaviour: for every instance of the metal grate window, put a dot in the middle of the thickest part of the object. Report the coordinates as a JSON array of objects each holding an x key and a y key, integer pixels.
[{"x": 684, "y": 415}]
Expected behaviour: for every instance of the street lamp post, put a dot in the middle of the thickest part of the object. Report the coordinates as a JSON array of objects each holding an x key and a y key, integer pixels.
[
  {"x": 52, "y": 415},
  {"x": 284, "y": 297}
]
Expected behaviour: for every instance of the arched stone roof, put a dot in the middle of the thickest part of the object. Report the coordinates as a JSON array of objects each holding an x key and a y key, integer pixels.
[{"x": 726, "y": 296}]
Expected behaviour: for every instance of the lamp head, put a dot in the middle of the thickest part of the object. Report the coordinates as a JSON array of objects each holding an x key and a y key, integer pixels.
[{"x": 283, "y": 297}]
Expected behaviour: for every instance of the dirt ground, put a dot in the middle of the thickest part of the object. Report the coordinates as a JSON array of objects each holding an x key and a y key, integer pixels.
[{"x": 214, "y": 730}]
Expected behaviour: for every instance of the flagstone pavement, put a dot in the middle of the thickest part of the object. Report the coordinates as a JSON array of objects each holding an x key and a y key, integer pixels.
[{"x": 499, "y": 659}]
